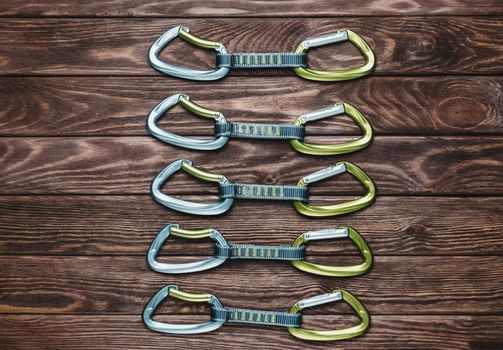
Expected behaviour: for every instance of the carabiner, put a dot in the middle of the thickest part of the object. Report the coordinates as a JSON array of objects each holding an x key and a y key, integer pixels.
[
  {"x": 296, "y": 60},
  {"x": 337, "y": 271},
  {"x": 228, "y": 191},
  {"x": 181, "y": 72},
  {"x": 293, "y": 132},
  {"x": 343, "y": 74},
  {"x": 185, "y": 206},
  {"x": 338, "y": 334},
  {"x": 173, "y": 291},
  {"x": 181, "y": 141},
  {"x": 341, "y": 208},
  {"x": 221, "y": 314},
  {"x": 295, "y": 253}
]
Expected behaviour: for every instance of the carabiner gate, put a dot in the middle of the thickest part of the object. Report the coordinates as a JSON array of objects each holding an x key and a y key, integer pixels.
[
  {"x": 185, "y": 206},
  {"x": 180, "y": 72},
  {"x": 173, "y": 291},
  {"x": 341, "y": 208},
  {"x": 342, "y": 74},
  {"x": 327, "y": 335}
]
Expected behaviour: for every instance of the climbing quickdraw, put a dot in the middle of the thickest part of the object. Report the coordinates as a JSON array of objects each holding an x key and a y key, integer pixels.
[
  {"x": 225, "y": 130},
  {"x": 296, "y": 60},
  {"x": 296, "y": 253},
  {"x": 291, "y": 319},
  {"x": 228, "y": 191}
]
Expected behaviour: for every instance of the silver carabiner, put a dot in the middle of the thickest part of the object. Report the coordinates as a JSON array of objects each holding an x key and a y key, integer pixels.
[
  {"x": 181, "y": 141},
  {"x": 175, "y": 230},
  {"x": 185, "y": 206},
  {"x": 181, "y": 72},
  {"x": 173, "y": 291}
]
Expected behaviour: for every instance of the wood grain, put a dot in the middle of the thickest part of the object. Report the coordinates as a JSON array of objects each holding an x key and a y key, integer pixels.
[
  {"x": 403, "y": 45},
  {"x": 104, "y": 165},
  {"x": 89, "y": 106},
  {"x": 243, "y": 8},
  {"x": 127, "y": 332},
  {"x": 396, "y": 285},
  {"x": 126, "y": 225}
]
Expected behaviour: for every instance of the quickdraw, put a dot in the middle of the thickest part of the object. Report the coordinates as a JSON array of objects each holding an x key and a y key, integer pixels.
[
  {"x": 296, "y": 60},
  {"x": 291, "y": 319},
  {"x": 229, "y": 191},
  {"x": 296, "y": 252},
  {"x": 225, "y": 130}
]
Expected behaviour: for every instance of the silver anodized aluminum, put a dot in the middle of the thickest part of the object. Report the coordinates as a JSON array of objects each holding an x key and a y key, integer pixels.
[
  {"x": 182, "y": 267},
  {"x": 214, "y": 208},
  {"x": 177, "y": 140},
  {"x": 181, "y": 72},
  {"x": 177, "y": 328}
]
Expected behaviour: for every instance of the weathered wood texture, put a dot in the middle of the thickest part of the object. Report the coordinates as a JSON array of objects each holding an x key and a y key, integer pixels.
[
  {"x": 127, "y": 332},
  {"x": 103, "y": 165},
  {"x": 89, "y": 106},
  {"x": 244, "y": 8},
  {"x": 125, "y": 225},
  {"x": 76, "y": 217},
  {"x": 403, "y": 45},
  {"x": 396, "y": 285}
]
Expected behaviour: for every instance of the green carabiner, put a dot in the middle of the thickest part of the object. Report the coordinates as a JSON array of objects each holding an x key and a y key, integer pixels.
[
  {"x": 342, "y": 74},
  {"x": 337, "y": 334}
]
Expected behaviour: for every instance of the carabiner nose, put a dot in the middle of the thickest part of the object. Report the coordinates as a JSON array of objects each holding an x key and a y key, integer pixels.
[
  {"x": 181, "y": 141},
  {"x": 173, "y": 291},
  {"x": 336, "y": 271},
  {"x": 181, "y": 72},
  {"x": 342, "y": 74},
  {"x": 215, "y": 208},
  {"x": 175, "y": 230}
]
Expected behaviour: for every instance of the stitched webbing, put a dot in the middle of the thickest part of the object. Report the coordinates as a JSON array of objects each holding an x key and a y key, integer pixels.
[
  {"x": 257, "y": 191},
  {"x": 271, "y": 318},
  {"x": 262, "y": 60},
  {"x": 260, "y": 131},
  {"x": 254, "y": 251}
]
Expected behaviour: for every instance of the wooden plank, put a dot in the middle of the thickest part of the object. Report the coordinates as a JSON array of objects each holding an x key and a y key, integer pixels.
[
  {"x": 120, "y": 225},
  {"x": 227, "y": 8},
  {"x": 403, "y": 45},
  {"x": 396, "y": 285},
  {"x": 89, "y": 106},
  {"x": 127, "y": 332},
  {"x": 399, "y": 165}
]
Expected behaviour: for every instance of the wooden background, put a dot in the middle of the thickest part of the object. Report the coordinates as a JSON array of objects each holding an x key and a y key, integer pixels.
[{"x": 76, "y": 217}]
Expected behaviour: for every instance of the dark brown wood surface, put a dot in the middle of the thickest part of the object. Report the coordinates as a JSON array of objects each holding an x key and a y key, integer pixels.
[{"x": 76, "y": 162}]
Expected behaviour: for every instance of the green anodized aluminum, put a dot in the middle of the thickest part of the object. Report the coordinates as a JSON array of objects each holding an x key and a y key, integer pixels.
[
  {"x": 342, "y": 74},
  {"x": 340, "y": 208},
  {"x": 335, "y": 271},
  {"x": 330, "y": 335}
]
